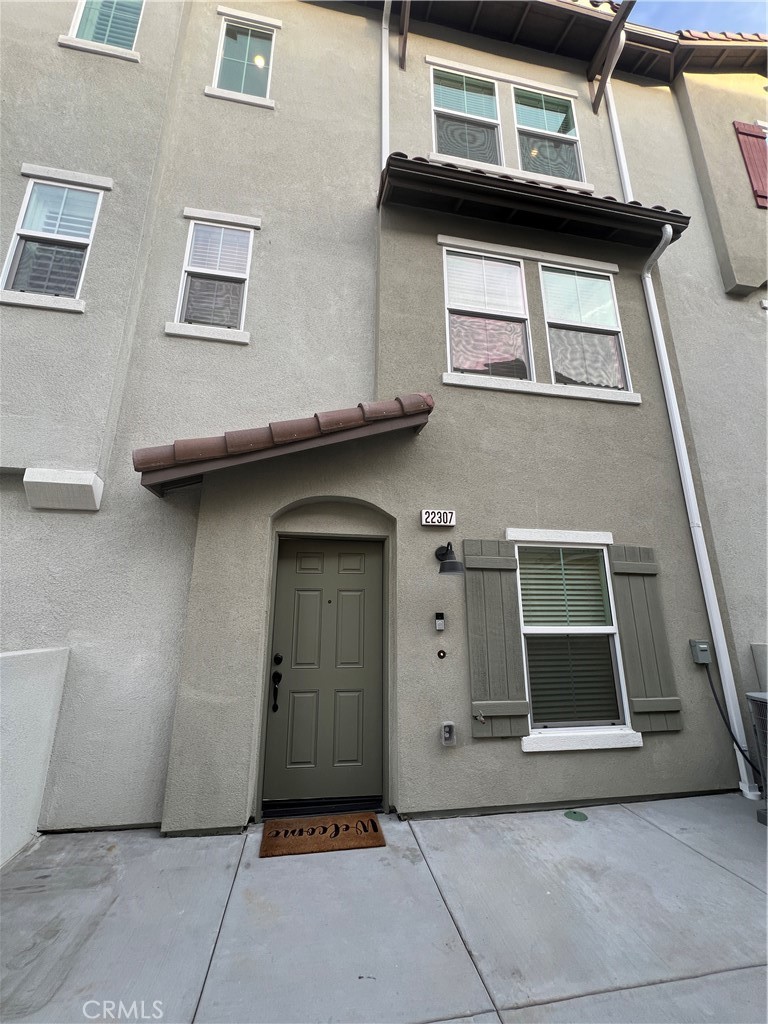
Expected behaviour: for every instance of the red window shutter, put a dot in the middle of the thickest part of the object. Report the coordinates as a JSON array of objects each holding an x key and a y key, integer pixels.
[{"x": 754, "y": 149}]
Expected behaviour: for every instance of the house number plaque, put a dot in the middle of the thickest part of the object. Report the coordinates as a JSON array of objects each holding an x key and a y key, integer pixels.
[{"x": 438, "y": 517}]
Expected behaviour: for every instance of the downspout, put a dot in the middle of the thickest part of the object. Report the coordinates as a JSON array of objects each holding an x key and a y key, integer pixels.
[
  {"x": 385, "y": 82},
  {"x": 746, "y": 779}
]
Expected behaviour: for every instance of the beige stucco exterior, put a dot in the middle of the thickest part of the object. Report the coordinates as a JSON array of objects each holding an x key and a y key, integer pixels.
[{"x": 166, "y": 604}]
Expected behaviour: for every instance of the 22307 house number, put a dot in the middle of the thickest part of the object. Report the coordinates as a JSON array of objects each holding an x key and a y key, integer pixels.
[{"x": 438, "y": 517}]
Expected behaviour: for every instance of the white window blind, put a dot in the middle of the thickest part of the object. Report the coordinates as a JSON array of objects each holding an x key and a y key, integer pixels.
[
  {"x": 563, "y": 587},
  {"x": 57, "y": 210},
  {"x": 114, "y": 22},
  {"x": 579, "y": 298},
  {"x": 220, "y": 249},
  {"x": 484, "y": 285}
]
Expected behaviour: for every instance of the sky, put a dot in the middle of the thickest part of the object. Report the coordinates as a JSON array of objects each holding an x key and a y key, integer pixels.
[{"x": 704, "y": 15}]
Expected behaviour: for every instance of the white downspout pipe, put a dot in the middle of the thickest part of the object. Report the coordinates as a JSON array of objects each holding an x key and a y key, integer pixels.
[
  {"x": 746, "y": 779},
  {"x": 746, "y": 783},
  {"x": 385, "y": 82}
]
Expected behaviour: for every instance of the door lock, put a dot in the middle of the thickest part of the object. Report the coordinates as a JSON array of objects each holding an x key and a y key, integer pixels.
[
  {"x": 276, "y": 677},
  {"x": 278, "y": 659}
]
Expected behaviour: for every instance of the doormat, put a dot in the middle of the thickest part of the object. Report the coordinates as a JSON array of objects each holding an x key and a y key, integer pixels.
[{"x": 321, "y": 834}]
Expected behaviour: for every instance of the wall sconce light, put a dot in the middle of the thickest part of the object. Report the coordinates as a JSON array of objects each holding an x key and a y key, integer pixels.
[{"x": 449, "y": 563}]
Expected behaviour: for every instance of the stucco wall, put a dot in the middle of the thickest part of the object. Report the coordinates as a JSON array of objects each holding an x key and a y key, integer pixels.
[
  {"x": 31, "y": 683},
  {"x": 719, "y": 345},
  {"x": 84, "y": 390}
]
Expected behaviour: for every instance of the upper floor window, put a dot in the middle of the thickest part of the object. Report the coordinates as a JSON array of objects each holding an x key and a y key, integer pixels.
[
  {"x": 244, "y": 63},
  {"x": 53, "y": 234},
  {"x": 215, "y": 276},
  {"x": 112, "y": 22},
  {"x": 466, "y": 117},
  {"x": 487, "y": 316},
  {"x": 752, "y": 142},
  {"x": 547, "y": 136}
]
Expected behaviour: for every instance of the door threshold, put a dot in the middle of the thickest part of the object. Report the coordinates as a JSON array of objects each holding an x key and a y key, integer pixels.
[{"x": 326, "y": 805}]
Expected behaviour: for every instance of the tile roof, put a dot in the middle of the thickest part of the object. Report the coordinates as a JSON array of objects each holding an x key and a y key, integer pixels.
[
  {"x": 186, "y": 460},
  {"x": 722, "y": 37}
]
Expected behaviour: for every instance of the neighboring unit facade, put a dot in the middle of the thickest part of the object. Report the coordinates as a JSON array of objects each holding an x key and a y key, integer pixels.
[{"x": 202, "y": 245}]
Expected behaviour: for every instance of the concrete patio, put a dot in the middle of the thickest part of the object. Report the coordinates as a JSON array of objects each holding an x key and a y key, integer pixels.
[{"x": 645, "y": 912}]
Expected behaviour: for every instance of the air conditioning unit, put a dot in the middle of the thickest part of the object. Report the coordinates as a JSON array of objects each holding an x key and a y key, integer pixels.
[{"x": 758, "y": 709}]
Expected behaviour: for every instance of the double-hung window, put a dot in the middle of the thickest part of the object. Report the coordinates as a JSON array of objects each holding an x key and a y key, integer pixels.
[
  {"x": 547, "y": 135},
  {"x": 52, "y": 239},
  {"x": 466, "y": 117},
  {"x": 487, "y": 316},
  {"x": 111, "y": 22},
  {"x": 585, "y": 342},
  {"x": 570, "y": 637},
  {"x": 215, "y": 276}
]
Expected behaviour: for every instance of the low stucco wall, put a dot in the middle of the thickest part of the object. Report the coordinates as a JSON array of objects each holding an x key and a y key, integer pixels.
[{"x": 31, "y": 684}]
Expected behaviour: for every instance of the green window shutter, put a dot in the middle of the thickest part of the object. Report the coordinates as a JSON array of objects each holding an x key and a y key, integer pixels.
[
  {"x": 497, "y": 675},
  {"x": 653, "y": 701}
]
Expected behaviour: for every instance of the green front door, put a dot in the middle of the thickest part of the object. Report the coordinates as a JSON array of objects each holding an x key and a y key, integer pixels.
[{"x": 324, "y": 707}]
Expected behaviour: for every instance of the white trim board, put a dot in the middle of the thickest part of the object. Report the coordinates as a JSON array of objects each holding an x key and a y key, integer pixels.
[
  {"x": 535, "y": 387},
  {"x": 580, "y": 739},
  {"x": 581, "y": 187},
  {"x": 526, "y": 254},
  {"x": 600, "y": 537},
  {"x": 499, "y": 76},
  {"x": 66, "y": 177},
  {"x": 249, "y": 17},
  {"x": 214, "y": 217}
]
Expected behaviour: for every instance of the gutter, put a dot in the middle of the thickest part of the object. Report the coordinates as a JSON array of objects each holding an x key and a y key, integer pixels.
[
  {"x": 746, "y": 779},
  {"x": 385, "y": 82}
]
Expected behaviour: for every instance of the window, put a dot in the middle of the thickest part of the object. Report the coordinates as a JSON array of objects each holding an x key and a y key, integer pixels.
[
  {"x": 547, "y": 136},
  {"x": 215, "y": 276},
  {"x": 583, "y": 328},
  {"x": 53, "y": 235},
  {"x": 569, "y": 637},
  {"x": 112, "y": 22},
  {"x": 244, "y": 62},
  {"x": 487, "y": 318},
  {"x": 752, "y": 142},
  {"x": 466, "y": 117}
]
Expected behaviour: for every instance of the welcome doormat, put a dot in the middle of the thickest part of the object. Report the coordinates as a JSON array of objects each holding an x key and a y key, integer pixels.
[{"x": 321, "y": 834}]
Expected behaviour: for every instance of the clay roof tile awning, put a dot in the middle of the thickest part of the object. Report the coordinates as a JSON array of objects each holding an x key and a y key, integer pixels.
[{"x": 186, "y": 461}]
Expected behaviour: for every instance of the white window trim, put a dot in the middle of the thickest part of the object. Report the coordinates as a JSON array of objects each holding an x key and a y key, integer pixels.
[
  {"x": 89, "y": 46},
  {"x": 574, "y": 139},
  {"x": 581, "y": 187},
  {"x": 59, "y": 177},
  {"x": 511, "y": 316},
  {"x": 178, "y": 327},
  {"x": 526, "y": 254},
  {"x": 560, "y": 538},
  {"x": 235, "y": 220},
  {"x": 534, "y": 387},
  {"x": 597, "y": 738},
  {"x": 560, "y": 265},
  {"x": 500, "y": 76},
  {"x": 568, "y": 737},
  {"x": 469, "y": 117},
  {"x": 65, "y": 303},
  {"x": 266, "y": 25}
]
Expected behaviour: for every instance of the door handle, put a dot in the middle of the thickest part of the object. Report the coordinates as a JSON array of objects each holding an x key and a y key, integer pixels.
[
  {"x": 276, "y": 677},
  {"x": 278, "y": 659}
]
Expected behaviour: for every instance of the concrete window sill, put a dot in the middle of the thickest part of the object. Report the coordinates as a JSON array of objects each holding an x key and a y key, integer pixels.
[
  {"x": 239, "y": 97},
  {"x": 72, "y": 43},
  {"x": 580, "y": 739},
  {"x": 534, "y": 387},
  {"x": 208, "y": 333},
  {"x": 59, "y": 303}
]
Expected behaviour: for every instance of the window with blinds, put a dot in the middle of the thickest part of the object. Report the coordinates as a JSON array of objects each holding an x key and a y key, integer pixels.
[
  {"x": 547, "y": 136},
  {"x": 570, "y": 637},
  {"x": 114, "y": 22},
  {"x": 215, "y": 276},
  {"x": 466, "y": 117},
  {"x": 487, "y": 316},
  {"x": 52, "y": 238},
  {"x": 583, "y": 328}
]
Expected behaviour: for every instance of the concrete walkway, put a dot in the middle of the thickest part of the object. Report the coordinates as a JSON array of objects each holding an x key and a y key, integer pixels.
[{"x": 646, "y": 912}]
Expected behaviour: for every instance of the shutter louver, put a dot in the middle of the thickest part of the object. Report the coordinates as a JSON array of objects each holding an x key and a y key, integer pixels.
[
  {"x": 653, "y": 701},
  {"x": 113, "y": 22},
  {"x": 754, "y": 149},
  {"x": 497, "y": 675}
]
